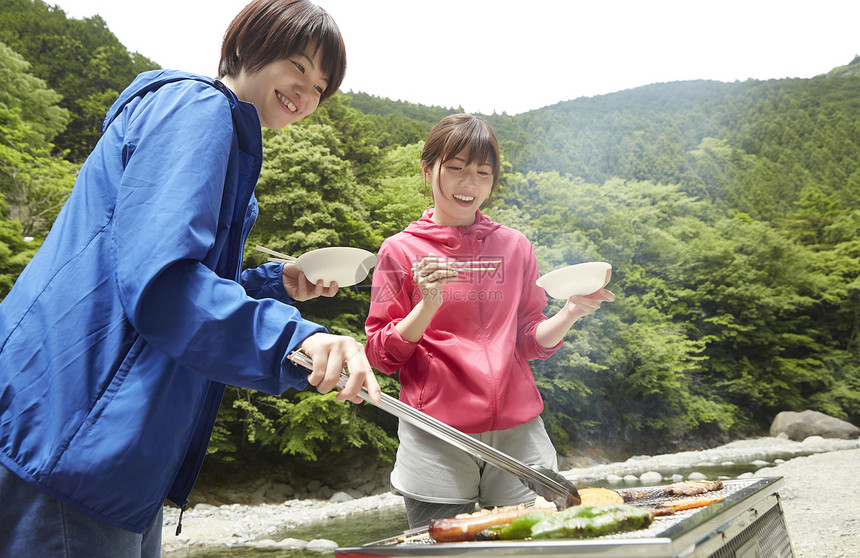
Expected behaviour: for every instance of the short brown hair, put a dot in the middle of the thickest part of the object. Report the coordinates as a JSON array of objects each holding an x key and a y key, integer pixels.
[
  {"x": 269, "y": 30},
  {"x": 456, "y": 132}
]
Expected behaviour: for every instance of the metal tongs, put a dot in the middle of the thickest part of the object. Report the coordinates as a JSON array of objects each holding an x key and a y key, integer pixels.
[{"x": 545, "y": 483}]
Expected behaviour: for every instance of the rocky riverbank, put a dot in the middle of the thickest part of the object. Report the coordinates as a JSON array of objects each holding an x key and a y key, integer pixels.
[
  {"x": 820, "y": 476},
  {"x": 817, "y": 499}
]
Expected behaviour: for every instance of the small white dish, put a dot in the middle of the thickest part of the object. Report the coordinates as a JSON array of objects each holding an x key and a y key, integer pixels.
[
  {"x": 580, "y": 279},
  {"x": 344, "y": 265}
]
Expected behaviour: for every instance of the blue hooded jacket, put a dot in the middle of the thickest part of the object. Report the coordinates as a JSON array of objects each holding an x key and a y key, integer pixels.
[{"x": 118, "y": 338}]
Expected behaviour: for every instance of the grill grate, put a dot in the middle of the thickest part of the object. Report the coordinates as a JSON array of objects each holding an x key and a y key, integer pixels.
[
  {"x": 639, "y": 497},
  {"x": 746, "y": 523}
]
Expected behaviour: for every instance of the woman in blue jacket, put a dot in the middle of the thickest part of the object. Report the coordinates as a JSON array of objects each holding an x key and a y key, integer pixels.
[{"x": 117, "y": 340}]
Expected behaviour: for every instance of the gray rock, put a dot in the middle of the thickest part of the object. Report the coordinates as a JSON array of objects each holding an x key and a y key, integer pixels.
[
  {"x": 291, "y": 544},
  {"x": 258, "y": 496},
  {"x": 321, "y": 546},
  {"x": 262, "y": 543},
  {"x": 367, "y": 488},
  {"x": 339, "y": 497},
  {"x": 614, "y": 479},
  {"x": 799, "y": 426},
  {"x": 279, "y": 492},
  {"x": 696, "y": 476},
  {"x": 355, "y": 493},
  {"x": 651, "y": 477}
]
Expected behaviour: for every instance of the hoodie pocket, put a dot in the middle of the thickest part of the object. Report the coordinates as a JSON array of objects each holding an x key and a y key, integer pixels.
[{"x": 421, "y": 384}]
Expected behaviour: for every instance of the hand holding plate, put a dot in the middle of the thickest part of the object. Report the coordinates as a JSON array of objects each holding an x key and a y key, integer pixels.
[
  {"x": 582, "y": 305},
  {"x": 300, "y": 288}
]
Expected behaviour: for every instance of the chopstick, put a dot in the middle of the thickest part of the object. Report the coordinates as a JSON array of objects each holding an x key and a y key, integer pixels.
[
  {"x": 278, "y": 257},
  {"x": 469, "y": 264},
  {"x": 485, "y": 265}
]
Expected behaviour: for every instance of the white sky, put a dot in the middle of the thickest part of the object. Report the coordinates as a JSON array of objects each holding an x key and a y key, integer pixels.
[{"x": 513, "y": 55}]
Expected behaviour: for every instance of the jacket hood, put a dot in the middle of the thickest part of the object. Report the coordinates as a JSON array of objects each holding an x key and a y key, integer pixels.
[
  {"x": 152, "y": 80},
  {"x": 451, "y": 236}
]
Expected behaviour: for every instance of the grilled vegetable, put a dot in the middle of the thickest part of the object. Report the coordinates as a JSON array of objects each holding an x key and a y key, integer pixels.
[
  {"x": 592, "y": 521},
  {"x": 574, "y": 522},
  {"x": 519, "y": 528}
]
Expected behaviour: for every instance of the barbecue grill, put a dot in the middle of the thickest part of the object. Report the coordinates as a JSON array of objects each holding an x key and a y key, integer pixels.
[{"x": 747, "y": 523}]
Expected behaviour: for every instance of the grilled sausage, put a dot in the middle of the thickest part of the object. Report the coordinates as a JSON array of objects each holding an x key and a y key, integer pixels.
[
  {"x": 465, "y": 527},
  {"x": 668, "y": 508}
]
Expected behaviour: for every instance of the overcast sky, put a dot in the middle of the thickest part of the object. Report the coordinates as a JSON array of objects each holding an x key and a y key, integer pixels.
[{"x": 513, "y": 55}]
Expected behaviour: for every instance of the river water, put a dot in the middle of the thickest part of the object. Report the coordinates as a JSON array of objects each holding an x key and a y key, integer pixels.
[{"x": 354, "y": 530}]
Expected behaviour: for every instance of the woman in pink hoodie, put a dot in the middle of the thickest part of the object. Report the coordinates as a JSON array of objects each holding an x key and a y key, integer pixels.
[{"x": 461, "y": 334}]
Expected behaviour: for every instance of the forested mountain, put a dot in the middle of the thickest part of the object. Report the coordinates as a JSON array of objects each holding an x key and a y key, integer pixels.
[
  {"x": 81, "y": 59},
  {"x": 682, "y": 132},
  {"x": 729, "y": 211}
]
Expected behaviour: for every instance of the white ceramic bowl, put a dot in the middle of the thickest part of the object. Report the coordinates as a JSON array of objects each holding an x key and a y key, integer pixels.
[
  {"x": 347, "y": 266},
  {"x": 579, "y": 279}
]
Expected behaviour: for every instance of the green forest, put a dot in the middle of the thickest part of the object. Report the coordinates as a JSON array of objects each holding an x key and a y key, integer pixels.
[{"x": 730, "y": 213}]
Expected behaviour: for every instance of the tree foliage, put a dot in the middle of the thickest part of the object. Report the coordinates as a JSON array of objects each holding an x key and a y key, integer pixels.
[
  {"x": 729, "y": 211},
  {"x": 33, "y": 183},
  {"x": 81, "y": 59}
]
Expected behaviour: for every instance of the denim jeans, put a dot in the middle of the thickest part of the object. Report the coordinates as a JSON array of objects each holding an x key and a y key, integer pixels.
[{"x": 35, "y": 524}]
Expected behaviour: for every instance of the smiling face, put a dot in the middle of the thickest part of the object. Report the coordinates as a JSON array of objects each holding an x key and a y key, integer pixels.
[
  {"x": 459, "y": 188},
  {"x": 283, "y": 91}
]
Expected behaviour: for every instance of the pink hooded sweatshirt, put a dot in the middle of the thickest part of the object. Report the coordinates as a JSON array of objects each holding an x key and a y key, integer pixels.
[{"x": 470, "y": 369}]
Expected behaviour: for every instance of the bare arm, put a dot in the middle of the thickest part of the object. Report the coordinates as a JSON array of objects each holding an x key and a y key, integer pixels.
[{"x": 552, "y": 330}]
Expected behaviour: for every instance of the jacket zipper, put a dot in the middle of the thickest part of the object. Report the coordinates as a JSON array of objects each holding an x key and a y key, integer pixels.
[
  {"x": 476, "y": 248},
  {"x": 179, "y": 523}
]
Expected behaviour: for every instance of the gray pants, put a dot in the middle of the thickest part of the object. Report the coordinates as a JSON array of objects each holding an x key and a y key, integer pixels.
[
  {"x": 420, "y": 513},
  {"x": 443, "y": 480}
]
